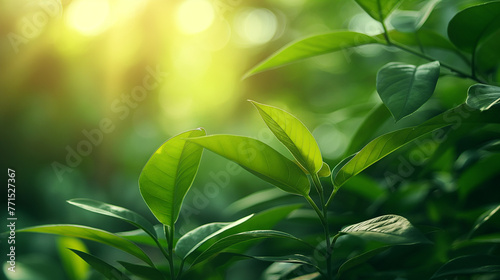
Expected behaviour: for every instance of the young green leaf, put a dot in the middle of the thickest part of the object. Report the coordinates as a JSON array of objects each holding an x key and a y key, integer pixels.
[
  {"x": 388, "y": 229},
  {"x": 231, "y": 240},
  {"x": 469, "y": 265},
  {"x": 75, "y": 267},
  {"x": 404, "y": 88},
  {"x": 115, "y": 211},
  {"x": 294, "y": 135},
  {"x": 378, "y": 9},
  {"x": 325, "y": 170},
  {"x": 259, "y": 159},
  {"x": 144, "y": 272},
  {"x": 313, "y": 46},
  {"x": 93, "y": 234},
  {"x": 109, "y": 271},
  {"x": 470, "y": 26},
  {"x": 483, "y": 97},
  {"x": 379, "y": 148},
  {"x": 195, "y": 238},
  {"x": 168, "y": 175},
  {"x": 411, "y": 21}
]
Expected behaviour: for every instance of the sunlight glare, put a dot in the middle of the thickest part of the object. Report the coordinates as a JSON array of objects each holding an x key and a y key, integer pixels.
[
  {"x": 88, "y": 17},
  {"x": 195, "y": 16}
]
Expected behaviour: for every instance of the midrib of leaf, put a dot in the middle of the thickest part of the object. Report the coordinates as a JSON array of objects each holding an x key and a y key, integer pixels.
[
  {"x": 493, "y": 103},
  {"x": 411, "y": 85}
]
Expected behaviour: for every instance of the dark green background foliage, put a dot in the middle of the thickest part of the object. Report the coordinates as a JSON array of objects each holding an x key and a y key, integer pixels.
[{"x": 392, "y": 171}]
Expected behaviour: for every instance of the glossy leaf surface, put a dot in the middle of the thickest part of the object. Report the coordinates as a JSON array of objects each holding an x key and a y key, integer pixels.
[
  {"x": 260, "y": 159},
  {"x": 404, "y": 88},
  {"x": 168, "y": 175},
  {"x": 294, "y": 135}
]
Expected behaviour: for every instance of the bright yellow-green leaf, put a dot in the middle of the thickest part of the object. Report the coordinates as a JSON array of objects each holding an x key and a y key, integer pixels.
[
  {"x": 378, "y": 9},
  {"x": 260, "y": 159},
  {"x": 75, "y": 267},
  {"x": 325, "y": 170},
  {"x": 93, "y": 234},
  {"x": 294, "y": 135},
  {"x": 168, "y": 175}
]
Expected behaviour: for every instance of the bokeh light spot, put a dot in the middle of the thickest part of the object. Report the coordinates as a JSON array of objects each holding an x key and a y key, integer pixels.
[
  {"x": 256, "y": 26},
  {"x": 195, "y": 16}
]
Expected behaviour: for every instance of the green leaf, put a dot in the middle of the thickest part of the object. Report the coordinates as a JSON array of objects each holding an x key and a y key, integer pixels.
[
  {"x": 311, "y": 276},
  {"x": 411, "y": 21},
  {"x": 231, "y": 240},
  {"x": 378, "y": 9},
  {"x": 115, "y": 211},
  {"x": 404, "y": 88},
  {"x": 484, "y": 218},
  {"x": 75, "y": 267},
  {"x": 254, "y": 199},
  {"x": 470, "y": 26},
  {"x": 195, "y": 238},
  {"x": 370, "y": 125},
  {"x": 109, "y": 271},
  {"x": 360, "y": 259},
  {"x": 469, "y": 265},
  {"x": 313, "y": 46},
  {"x": 294, "y": 135},
  {"x": 325, "y": 170},
  {"x": 138, "y": 236},
  {"x": 485, "y": 169},
  {"x": 168, "y": 175},
  {"x": 378, "y": 149},
  {"x": 144, "y": 272},
  {"x": 259, "y": 159},
  {"x": 388, "y": 229},
  {"x": 296, "y": 258},
  {"x": 93, "y": 234},
  {"x": 483, "y": 97}
]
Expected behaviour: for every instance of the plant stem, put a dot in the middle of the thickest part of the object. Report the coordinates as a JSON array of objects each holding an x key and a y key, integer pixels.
[
  {"x": 424, "y": 56},
  {"x": 169, "y": 234},
  {"x": 324, "y": 219},
  {"x": 334, "y": 192}
]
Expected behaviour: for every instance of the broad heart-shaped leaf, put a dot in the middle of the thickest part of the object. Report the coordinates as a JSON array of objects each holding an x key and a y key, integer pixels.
[
  {"x": 469, "y": 265},
  {"x": 404, "y": 88},
  {"x": 260, "y": 159},
  {"x": 93, "y": 234},
  {"x": 168, "y": 175},
  {"x": 115, "y": 211},
  {"x": 109, "y": 271},
  {"x": 145, "y": 272},
  {"x": 294, "y": 135},
  {"x": 378, "y": 9},
  {"x": 195, "y": 238},
  {"x": 411, "y": 21},
  {"x": 388, "y": 229},
  {"x": 313, "y": 46},
  {"x": 483, "y": 97},
  {"x": 231, "y": 240},
  {"x": 75, "y": 267},
  {"x": 377, "y": 149},
  {"x": 468, "y": 27}
]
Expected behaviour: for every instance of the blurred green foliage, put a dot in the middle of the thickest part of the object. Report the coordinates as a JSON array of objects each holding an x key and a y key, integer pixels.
[{"x": 68, "y": 66}]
